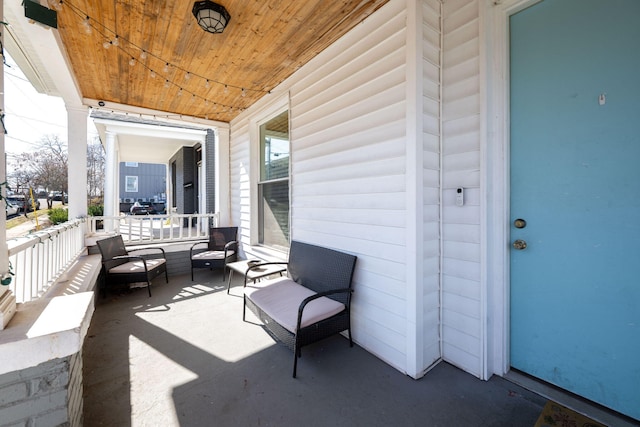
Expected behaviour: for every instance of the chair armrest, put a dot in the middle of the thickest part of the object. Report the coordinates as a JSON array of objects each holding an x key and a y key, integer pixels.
[
  {"x": 308, "y": 299},
  {"x": 231, "y": 244},
  {"x": 147, "y": 249},
  {"x": 197, "y": 244},
  {"x": 267, "y": 263},
  {"x": 256, "y": 266}
]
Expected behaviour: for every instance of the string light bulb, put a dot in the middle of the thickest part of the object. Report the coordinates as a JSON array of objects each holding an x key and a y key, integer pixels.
[
  {"x": 132, "y": 62},
  {"x": 165, "y": 69},
  {"x": 86, "y": 25},
  {"x": 152, "y": 74},
  {"x": 116, "y": 42},
  {"x": 187, "y": 76},
  {"x": 106, "y": 44},
  {"x": 143, "y": 55}
]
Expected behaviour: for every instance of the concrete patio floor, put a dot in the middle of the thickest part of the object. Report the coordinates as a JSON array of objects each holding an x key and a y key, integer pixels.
[{"x": 184, "y": 357}]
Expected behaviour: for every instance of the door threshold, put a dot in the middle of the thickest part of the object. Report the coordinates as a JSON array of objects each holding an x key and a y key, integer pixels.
[{"x": 572, "y": 401}]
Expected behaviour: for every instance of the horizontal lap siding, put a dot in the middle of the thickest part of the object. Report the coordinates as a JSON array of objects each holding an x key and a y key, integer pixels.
[
  {"x": 348, "y": 130},
  {"x": 431, "y": 179},
  {"x": 239, "y": 181},
  {"x": 461, "y": 299}
]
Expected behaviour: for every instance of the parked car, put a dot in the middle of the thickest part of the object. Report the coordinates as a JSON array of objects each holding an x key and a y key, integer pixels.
[
  {"x": 143, "y": 208},
  {"x": 19, "y": 201},
  {"x": 11, "y": 209},
  {"x": 57, "y": 196}
]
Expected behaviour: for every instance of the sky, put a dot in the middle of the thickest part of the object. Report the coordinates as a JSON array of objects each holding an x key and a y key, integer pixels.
[{"x": 29, "y": 115}]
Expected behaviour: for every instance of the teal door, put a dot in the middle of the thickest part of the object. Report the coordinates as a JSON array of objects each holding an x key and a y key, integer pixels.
[{"x": 575, "y": 181}]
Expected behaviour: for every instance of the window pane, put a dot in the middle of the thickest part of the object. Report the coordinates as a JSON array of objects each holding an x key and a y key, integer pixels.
[
  {"x": 273, "y": 188},
  {"x": 274, "y": 214},
  {"x": 276, "y": 158}
]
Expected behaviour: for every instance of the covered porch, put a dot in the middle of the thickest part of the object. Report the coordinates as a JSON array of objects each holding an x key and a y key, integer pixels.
[
  {"x": 185, "y": 357},
  {"x": 398, "y": 152}
]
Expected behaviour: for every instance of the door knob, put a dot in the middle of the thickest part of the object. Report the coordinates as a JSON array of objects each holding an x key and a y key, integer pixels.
[{"x": 520, "y": 244}]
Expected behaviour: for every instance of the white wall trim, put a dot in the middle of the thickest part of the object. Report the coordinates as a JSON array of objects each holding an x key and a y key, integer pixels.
[
  {"x": 223, "y": 175},
  {"x": 495, "y": 179},
  {"x": 260, "y": 117},
  {"x": 414, "y": 193}
]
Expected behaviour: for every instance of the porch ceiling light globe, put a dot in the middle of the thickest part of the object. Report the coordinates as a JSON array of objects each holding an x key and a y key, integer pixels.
[{"x": 211, "y": 16}]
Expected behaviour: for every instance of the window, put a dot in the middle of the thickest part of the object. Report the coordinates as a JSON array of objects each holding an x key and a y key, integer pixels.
[
  {"x": 273, "y": 187},
  {"x": 131, "y": 164},
  {"x": 131, "y": 184}
]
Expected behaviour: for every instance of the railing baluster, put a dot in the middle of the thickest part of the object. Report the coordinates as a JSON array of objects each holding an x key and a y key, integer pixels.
[{"x": 39, "y": 259}]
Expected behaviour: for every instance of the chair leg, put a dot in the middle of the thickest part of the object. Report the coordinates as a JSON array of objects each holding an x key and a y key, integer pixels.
[
  {"x": 229, "y": 282},
  {"x": 166, "y": 276},
  {"x": 192, "y": 272},
  {"x": 149, "y": 287},
  {"x": 295, "y": 361}
]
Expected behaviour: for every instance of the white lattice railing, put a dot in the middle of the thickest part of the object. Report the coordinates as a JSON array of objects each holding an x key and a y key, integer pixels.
[
  {"x": 39, "y": 259},
  {"x": 154, "y": 228}
]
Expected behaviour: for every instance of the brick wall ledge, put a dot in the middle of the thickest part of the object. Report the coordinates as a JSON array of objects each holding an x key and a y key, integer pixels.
[{"x": 53, "y": 326}]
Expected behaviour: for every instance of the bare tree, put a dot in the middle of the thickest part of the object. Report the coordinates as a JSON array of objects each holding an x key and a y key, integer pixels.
[
  {"x": 95, "y": 169},
  {"x": 47, "y": 167}
]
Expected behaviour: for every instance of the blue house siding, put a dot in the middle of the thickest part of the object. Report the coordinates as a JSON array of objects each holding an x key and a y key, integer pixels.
[{"x": 151, "y": 184}]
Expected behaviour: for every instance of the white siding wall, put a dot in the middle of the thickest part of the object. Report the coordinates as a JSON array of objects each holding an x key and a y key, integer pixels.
[
  {"x": 461, "y": 300},
  {"x": 431, "y": 35},
  {"x": 350, "y": 177},
  {"x": 348, "y": 172}
]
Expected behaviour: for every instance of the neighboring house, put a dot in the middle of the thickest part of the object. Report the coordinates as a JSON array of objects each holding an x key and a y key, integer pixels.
[
  {"x": 142, "y": 182},
  {"x": 158, "y": 162},
  {"x": 479, "y": 159}
]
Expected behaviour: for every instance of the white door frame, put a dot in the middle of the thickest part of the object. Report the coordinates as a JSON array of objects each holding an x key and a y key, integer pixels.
[{"x": 495, "y": 179}]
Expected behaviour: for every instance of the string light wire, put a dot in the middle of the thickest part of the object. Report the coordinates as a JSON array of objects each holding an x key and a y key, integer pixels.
[{"x": 143, "y": 54}]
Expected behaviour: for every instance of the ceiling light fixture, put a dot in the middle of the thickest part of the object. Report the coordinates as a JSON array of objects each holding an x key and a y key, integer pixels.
[{"x": 211, "y": 16}]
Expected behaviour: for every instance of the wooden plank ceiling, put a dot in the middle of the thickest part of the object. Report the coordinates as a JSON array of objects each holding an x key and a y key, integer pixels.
[{"x": 164, "y": 61}]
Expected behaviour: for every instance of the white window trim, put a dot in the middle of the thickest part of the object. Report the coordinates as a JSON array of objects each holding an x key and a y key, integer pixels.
[
  {"x": 126, "y": 184},
  {"x": 278, "y": 106}
]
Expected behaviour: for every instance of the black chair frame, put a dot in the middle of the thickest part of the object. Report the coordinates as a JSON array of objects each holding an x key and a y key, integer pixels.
[
  {"x": 223, "y": 241},
  {"x": 114, "y": 253}
]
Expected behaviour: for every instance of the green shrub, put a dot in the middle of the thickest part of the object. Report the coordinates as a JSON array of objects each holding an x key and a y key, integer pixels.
[
  {"x": 95, "y": 210},
  {"x": 58, "y": 215}
]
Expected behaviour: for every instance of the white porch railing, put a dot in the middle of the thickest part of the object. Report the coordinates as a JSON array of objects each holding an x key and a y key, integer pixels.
[
  {"x": 39, "y": 259},
  {"x": 154, "y": 228}
]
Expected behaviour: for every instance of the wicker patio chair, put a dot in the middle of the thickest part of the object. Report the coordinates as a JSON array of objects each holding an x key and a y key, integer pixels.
[
  {"x": 221, "y": 249},
  {"x": 119, "y": 266},
  {"x": 325, "y": 273}
]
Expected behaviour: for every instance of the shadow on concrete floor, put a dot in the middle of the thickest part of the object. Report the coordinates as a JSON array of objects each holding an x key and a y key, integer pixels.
[{"x": 184, "y": 357}]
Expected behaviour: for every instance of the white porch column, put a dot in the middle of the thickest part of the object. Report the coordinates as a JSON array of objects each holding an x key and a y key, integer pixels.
[
  {"x": 223, "y": 193},
  {"x": 111, "y": 207},
  {"x": 77, "y": 146},
  {"x": 7, "y": 300}
]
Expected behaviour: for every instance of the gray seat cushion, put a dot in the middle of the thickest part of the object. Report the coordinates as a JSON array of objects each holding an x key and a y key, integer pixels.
[
  {"x": 137, "y": 266},
  {"x": 211, "y": 255},
  {"x": 280, "y": 298}
]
